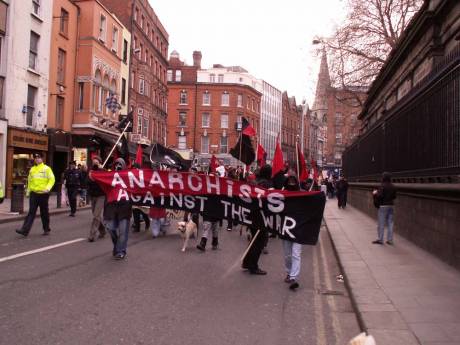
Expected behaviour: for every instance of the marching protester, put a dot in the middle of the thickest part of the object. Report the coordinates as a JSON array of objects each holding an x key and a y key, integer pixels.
[
  {"x": 384, "y": 199},
  {"x": 251, "y": 260},
  {"x": 292, "y": 250},
  {"x": 140, "y": 212},
  {"x": 97, "y": 196},
  {"x": 39, "y": 183},
  {"x": 117, "y": 215},
  {"x": 157, "y": 221},
  {"x": 83, "y": 192},
  {"x": 210, "y": 225},
  {"x": 72, "y": 180},
  {"x": 342, "y": 191}
]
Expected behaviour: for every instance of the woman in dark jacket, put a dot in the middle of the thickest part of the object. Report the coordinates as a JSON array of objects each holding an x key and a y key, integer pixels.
[{"x": 385, "y": 197}]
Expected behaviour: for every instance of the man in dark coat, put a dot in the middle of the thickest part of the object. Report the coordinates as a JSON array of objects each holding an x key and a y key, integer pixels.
[
  {"x": 251, "y": 260},
  {"x": 385, "y": 196},
  {"x": 342, "y": 191},
  {"x": 72, "y": 178}
]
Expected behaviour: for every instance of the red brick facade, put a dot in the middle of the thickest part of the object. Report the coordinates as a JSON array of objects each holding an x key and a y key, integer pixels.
[
  {"x": 290, "y": 128},
  {"x": 198, "y": 117},
  {"x": 148, "y": 91}
]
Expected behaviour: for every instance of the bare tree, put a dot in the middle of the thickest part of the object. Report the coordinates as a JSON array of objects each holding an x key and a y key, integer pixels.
[{"x": 359, "y": 47}]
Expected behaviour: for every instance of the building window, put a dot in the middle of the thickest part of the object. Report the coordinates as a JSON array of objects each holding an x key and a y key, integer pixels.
[
  {"x": 133, "y": 77},
  {"x": 145, "y": 128},
  {"x": 220, "y": 78},
  {"x": 205, "y": 120},
  {"x": 338, "y": 138},
  {"x": 225, "y": 99},
  {"x": 206, "y": 98},
  {"x": 223, "y": 144},
  {"x": 125, "y": 51},
  {"x": 212, "y": 78},
  {"x": 102, "y": 28},
  {"x": 224, "y": 120},
  {"x": 183, "y": 97},
  {"x": 115, "y": 39},
  {"x": 141, "y": 48},
  {"x": 33, "y": 52},
  {"x": 178, "y": 75},
  {"x": 31, "y": 94},
  {"x": 182, "y": 119},
  {"x": 182, "y": 142},
  {"x": 123, "y": 91},
  {"x": 81, "y": 89},
  {"x": 142, "y": 22},
  {"x": 252, "y": 105},
  {"x": 141, "y": 85},
  {"x": 240, "y": 101},
  {"x": 136, "y": 14},
  {"x": 204, "y": 144},
  {"x": 170, "y": 73},
  {"x": 140, "y": 114},
  {"x": 64, "y": 22},
  {"x": 59, "y": 111},
  {"x": 36, "y": 7},
  {"x": 61, "y": 66}
]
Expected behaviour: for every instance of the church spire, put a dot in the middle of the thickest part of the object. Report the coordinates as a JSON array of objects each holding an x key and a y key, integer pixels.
[{"x": 323, "y": 84}]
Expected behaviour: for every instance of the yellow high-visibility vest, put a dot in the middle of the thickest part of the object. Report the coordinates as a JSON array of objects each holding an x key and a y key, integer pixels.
[{"x": 41, "y": 179}]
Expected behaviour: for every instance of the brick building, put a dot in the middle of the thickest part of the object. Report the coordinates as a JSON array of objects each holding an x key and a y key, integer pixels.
[
  {"x": 290, "y": 128},
  {"x": 206, "y": 105},
  {"x": 335, "y": 111},
  {"x": 148, "y": 91}
]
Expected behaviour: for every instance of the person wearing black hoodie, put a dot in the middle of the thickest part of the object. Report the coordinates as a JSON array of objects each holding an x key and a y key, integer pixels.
[
  {"x": 251, "y": 260},
  {"x": 385, "y": 197}
]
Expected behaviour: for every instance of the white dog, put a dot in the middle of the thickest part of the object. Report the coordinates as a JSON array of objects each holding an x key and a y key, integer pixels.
[{"x": 186, "y": 230}]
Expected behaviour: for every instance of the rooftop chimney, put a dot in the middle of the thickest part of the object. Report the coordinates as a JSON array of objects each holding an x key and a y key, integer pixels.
[{"x": 197, "y": 58}]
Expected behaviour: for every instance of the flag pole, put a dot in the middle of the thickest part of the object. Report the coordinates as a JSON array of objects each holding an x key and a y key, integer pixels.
[
  {"x": 250, "y": 245},
  {"x": 241, "y": 143},
  {"x": 115, "y": 145}
]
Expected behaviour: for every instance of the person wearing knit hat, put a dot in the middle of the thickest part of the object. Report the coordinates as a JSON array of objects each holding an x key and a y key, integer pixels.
[{"x": 117, "y": 215}]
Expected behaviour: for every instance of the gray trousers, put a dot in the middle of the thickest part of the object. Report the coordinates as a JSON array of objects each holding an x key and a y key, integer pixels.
[
  {"x": 210, "y": 227},
  {"x": 97, "y": 208}
]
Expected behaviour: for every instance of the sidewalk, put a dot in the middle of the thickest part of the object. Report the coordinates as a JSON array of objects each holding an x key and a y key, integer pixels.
[
  {"x": 6, "y": 216},
  {"x": 403, "y": 294}
]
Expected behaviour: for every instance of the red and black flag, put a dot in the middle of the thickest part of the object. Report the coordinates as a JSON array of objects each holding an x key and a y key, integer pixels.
[
  {"x": 246, "y": 128},
  {"x": 243, "y": 149}
]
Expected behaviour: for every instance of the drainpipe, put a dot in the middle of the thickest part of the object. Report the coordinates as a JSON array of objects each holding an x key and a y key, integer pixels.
[{"x": 196, "y": 106}]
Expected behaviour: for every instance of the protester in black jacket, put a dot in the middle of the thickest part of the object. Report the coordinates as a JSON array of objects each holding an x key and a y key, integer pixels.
[
  {"x": 251, "y": 260},
  {"x": 72, "y": 179},
  {"x": 117, "y": 215},
  {"x": 342, "y": 191},
  {"x": 97, "y": 196},
  {"x": 384, "y": 198}
]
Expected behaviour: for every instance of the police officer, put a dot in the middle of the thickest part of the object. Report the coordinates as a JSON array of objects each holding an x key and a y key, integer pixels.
[
  {"x": 39, "y": 184},
  {"x": 2, "y": 193}
]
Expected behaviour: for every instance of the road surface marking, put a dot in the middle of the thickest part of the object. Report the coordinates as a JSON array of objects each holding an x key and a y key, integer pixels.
[{"x": 39, "y": 250}]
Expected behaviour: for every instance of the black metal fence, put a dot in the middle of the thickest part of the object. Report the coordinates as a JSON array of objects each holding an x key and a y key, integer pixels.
[{"x": 418, "y": 140}]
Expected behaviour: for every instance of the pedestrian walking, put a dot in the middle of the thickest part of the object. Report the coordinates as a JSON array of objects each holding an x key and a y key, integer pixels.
[
  {"x": 117, "y": 215},
  {"x": 292, "y": 251},
  {"x": 39, "y": 183},
  {"x": 342, "y": 191},
  {"x": 384, "y": 199},
  {"x": 157, "y": 221},
  {"x": 251, "y": 260},
  {"x": 72, "y": 180},
  {"x": 97, "y": 196},
  {"x": 210, "y": 226},
  {"x": 83, "y": 192}
]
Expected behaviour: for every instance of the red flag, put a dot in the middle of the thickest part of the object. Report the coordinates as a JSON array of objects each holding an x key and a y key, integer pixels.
[
  {"x": 261, "y": 155},
  {"x": 303, "y": 171},
  {"x": 247, "y": 128},
  {"x": 139, "y": 153},
  {"x": 213, "y": 164},
  {"x": 278, "y": 160}
]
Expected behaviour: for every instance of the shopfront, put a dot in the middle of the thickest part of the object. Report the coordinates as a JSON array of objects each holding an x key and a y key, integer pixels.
[{"x": 21, "y": 147}]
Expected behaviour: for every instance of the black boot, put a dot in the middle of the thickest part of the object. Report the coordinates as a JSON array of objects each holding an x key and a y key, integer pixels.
[
  {"x": 202, "y": 245},
  {"x": 215, "y": 243}
]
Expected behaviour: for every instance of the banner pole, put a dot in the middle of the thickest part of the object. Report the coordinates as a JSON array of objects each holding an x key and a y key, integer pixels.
[
  {"x": 297, "y": 161},
  {"x": 115, "y": 145},
  {"x": 250, "y": 245}
]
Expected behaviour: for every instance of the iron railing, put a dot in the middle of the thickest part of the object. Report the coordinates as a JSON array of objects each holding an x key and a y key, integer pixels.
[{"x": 418, "y": 140}]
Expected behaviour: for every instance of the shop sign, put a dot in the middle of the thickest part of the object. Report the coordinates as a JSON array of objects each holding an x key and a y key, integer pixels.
[{"x": 24, "y": 139}]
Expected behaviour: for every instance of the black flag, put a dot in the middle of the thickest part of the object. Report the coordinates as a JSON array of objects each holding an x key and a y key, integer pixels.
[
  {"x": 243, "y": 150},
  {"x": 123, "y": 121},
  {"x": 163, "y": 155}
]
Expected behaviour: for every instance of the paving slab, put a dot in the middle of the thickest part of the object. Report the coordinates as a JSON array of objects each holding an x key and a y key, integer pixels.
[{"x": 402, "y": 294}]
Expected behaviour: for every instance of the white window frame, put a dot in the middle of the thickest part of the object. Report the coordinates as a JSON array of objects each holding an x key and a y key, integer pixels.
[
  {"x": 182, "y": 142},
  {"x": 102, "y": 27},
  {"x": 36, "y": 7},
  {"x": 183, "y": 98},
  {"x": 212, "y": 78},
  {"x": 225, "y": 99},
  {"x": 141, "y": 85},
  {"x": 179, "y": 120},
  {"x": 220, "y": 78},
  {"x": 206, "y": 124},
  {"x": 115, "y": 32},
  {"x": 140, "y": 115},
  {"x": 205, "y": 148},
  {"x": 222, "y": 146},
  {"x": 178, "y": 75},
  {"x": 145, "y": 127},
  {"x": 224, "y": 120},
  {"x": 239, "y": 102},
  {"x": 170, "y": 75},
  {"x": 206, "y": 98}
]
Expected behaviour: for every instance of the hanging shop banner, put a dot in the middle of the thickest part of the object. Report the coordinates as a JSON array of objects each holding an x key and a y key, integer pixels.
[{"x": 293, "y": 216}]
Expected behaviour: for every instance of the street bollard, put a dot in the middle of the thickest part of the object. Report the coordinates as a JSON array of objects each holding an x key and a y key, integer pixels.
[
  {"x": 58, "y": 195},
  {"x": 17, "y": 198}
]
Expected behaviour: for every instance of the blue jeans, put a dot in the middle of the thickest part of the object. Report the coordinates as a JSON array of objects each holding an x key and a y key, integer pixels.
[
  {"x": 118, "y": 230},
  {"x": 292, "y": 257},
  {"x": 157, "y": 225},
  {"x": 385, "y": 216}
]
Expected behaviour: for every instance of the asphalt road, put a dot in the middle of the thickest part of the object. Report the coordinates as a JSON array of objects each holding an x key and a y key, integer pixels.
[{"x": 77, "y": 294}]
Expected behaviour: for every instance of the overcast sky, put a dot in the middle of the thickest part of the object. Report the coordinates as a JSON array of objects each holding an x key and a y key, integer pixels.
[{"x": 270, "y": 38}]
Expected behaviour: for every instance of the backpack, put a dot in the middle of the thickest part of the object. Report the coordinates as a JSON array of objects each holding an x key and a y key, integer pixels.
[{"x": 377, "y": 200}]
